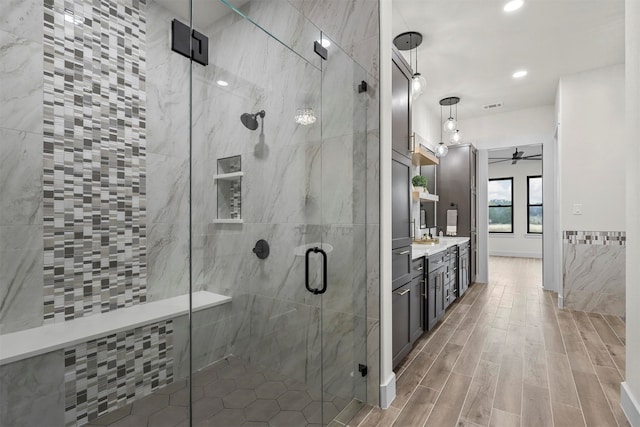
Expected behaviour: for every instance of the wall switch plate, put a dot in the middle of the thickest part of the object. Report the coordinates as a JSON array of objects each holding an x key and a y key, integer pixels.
[{"x": 577, "y": 209}]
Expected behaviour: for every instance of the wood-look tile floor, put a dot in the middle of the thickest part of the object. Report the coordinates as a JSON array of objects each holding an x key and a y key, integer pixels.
[{"x": 505, "y": 355}]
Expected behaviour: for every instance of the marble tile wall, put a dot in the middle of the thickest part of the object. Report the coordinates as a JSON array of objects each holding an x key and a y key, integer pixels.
[
  {"x": 594, "y": 271},
  {"x": 32, "y": 391},
  {"x": 21, "y": 165}
]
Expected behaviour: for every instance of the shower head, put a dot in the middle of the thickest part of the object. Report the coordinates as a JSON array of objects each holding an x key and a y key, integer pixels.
[{"x": 250, "y": 121}]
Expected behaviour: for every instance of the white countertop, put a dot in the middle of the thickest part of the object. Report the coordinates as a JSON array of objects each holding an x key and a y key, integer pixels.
[{"x": 419, "y": 250}]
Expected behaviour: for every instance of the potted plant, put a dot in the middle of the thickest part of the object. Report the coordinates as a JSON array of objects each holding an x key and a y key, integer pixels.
[{"x": 420, "y": 181}]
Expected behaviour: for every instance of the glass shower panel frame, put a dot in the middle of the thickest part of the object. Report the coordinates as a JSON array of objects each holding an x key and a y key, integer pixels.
[{"x": 303, "y": 187}]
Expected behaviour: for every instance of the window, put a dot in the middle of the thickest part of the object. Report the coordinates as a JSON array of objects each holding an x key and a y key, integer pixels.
[
  {"x": 534, "y": 204},
  {"x": 501, "y": 205}
]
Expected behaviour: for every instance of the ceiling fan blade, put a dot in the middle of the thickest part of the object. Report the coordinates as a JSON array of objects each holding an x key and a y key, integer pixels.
[
  {"x": 500, "y": 158},
  {"x": 498, "y": 161},
  {"x": 531, "y": 156},
  {"x": 514, "y": 161},
  {"x": 519, "y": 154},
  {"x": 525, "y": 158}
]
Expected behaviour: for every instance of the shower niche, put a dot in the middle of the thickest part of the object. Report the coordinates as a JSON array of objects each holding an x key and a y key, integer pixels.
[{"x": 228, "y": 182}]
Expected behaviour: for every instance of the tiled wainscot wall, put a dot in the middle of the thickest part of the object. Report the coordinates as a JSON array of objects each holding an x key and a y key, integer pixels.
[{"x": 594, "y": 271}]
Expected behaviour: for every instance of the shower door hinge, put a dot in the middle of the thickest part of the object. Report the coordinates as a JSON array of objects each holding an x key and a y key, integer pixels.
[
  {"x": 190, "y": 43},
  {"x": 362, "y": 369},
  {"x": 320, "y": 50}
]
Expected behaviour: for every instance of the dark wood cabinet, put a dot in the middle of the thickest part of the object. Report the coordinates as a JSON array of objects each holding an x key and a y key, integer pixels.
[
  {"x": 464, "y": 273},
  {"x": 401, "y": 333},
  {"x": 457, "y": 187},
  {"x": 415, "y": 309},
  {"x": 401, "y": 104},
  {"x": 436, "y": 283},
  {"x": 406, "y": 294},
  {"x": 400, "y": 201}
]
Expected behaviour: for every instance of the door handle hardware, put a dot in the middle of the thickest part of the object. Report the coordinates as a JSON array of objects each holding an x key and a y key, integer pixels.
[
  {"x": 403, "y": 292},
  {"x": 402, "y": 253},
  {"x": 323, "y": 289}
]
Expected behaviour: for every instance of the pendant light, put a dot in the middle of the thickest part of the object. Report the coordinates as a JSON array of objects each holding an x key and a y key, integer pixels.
[
  {"x": 441, "y": 149},
  {"x": 451, "y": 124},
  {"x": 409, "y": 41}
]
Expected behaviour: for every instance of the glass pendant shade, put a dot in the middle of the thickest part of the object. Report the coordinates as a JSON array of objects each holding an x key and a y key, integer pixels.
[
  {"x": 418, "y": 85},
  {"x": 441, "y": 150},
  {"x": 456, "y": 137},
  {"x": 450, "y": 125},
  {"x": 305, "y": 116}
]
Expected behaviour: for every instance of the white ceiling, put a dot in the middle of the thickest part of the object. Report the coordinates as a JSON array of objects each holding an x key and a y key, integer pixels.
[{"x": 470, "y": 48}]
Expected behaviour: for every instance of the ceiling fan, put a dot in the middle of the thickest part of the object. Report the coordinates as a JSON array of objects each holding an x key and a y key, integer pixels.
[{"x": 517, "y": 156}]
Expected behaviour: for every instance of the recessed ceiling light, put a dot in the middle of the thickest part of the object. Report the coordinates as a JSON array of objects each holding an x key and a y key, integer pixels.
[
  {"x": 222, "y": 83},
  {"x": 519, "y": 74},
  {"x": 325, "y": 43},
  {"x": 513, "y": 5}
]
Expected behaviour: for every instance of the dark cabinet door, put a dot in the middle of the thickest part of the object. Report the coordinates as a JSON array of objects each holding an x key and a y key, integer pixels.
[
  {"x": 440, "y": 284},
  {"x": 431, "y": 315},
  {"x": 400, "y": 105},
  {"x": 400, "y": 266},
  {"x": 401, "y": 334},
  {"x": 416, "y": 309},
  {"x": 401, "y": 202}
]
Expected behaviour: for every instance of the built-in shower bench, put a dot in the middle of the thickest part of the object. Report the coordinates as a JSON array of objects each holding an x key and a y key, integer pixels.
[{"x": 21, "y": 345}]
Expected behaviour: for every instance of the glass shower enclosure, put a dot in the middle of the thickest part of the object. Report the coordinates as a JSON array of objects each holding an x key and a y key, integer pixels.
[
  {"x": 285, "y": 105},
  {"x": 184, "y": 237}
]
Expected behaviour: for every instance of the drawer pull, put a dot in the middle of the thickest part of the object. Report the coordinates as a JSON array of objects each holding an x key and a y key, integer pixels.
[
  {"x": 402, "y": 253},
  {"x": 403, "y": 292},
  {"x": 419, "y": 269}
]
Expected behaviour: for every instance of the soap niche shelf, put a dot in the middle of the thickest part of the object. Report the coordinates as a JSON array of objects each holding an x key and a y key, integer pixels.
[{"x": 228, "y": 182}]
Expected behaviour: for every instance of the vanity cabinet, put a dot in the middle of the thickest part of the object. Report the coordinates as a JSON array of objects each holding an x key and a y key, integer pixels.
[
  {"x": 416, "y": 305},
  {"x": 400, "y": 318},
  {"x": 464, "y": 272},
  {"x": 451, "y": 288},
  {"x": 436, "y": 282}
]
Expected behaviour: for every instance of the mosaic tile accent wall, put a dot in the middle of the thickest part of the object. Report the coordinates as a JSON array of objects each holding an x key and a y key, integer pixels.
[
  {"x": 94, "y": 157},
  {"x": 109, "y": 372},
  {"x": 596, "y": 237}
]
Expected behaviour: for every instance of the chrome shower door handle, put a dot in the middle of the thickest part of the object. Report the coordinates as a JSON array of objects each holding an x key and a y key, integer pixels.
[{"x": 323, "y": 289}]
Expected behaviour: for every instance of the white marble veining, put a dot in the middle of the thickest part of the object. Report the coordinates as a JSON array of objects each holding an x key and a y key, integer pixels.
[
  {"x": 21, "y": 279},
  {"x": 167, "y": 260},
  {"x": 21, "y": 90},
  {"x": 594, "y": 278},
  {"x": 32, "y": 342},
  {"x": 167, "y": 189},
  {"x": 21, "y": 177},
  {"x": 22, "y": 18},
  {"x": 167, "y": 87},
  {"x": 32, "y": 391},
  {"x": 419, "y": 250}
]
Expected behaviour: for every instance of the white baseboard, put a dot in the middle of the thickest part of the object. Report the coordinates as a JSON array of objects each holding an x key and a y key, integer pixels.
[
  {"x": 516, "y": 254},
  {"x": 560, "y": 301},
  {"x": 388, "y": 391},
  {"x": 630, "y": 405}
]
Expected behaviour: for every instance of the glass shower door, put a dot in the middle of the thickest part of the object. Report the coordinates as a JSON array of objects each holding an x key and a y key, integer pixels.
[{"x": 277, "y": 212}]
